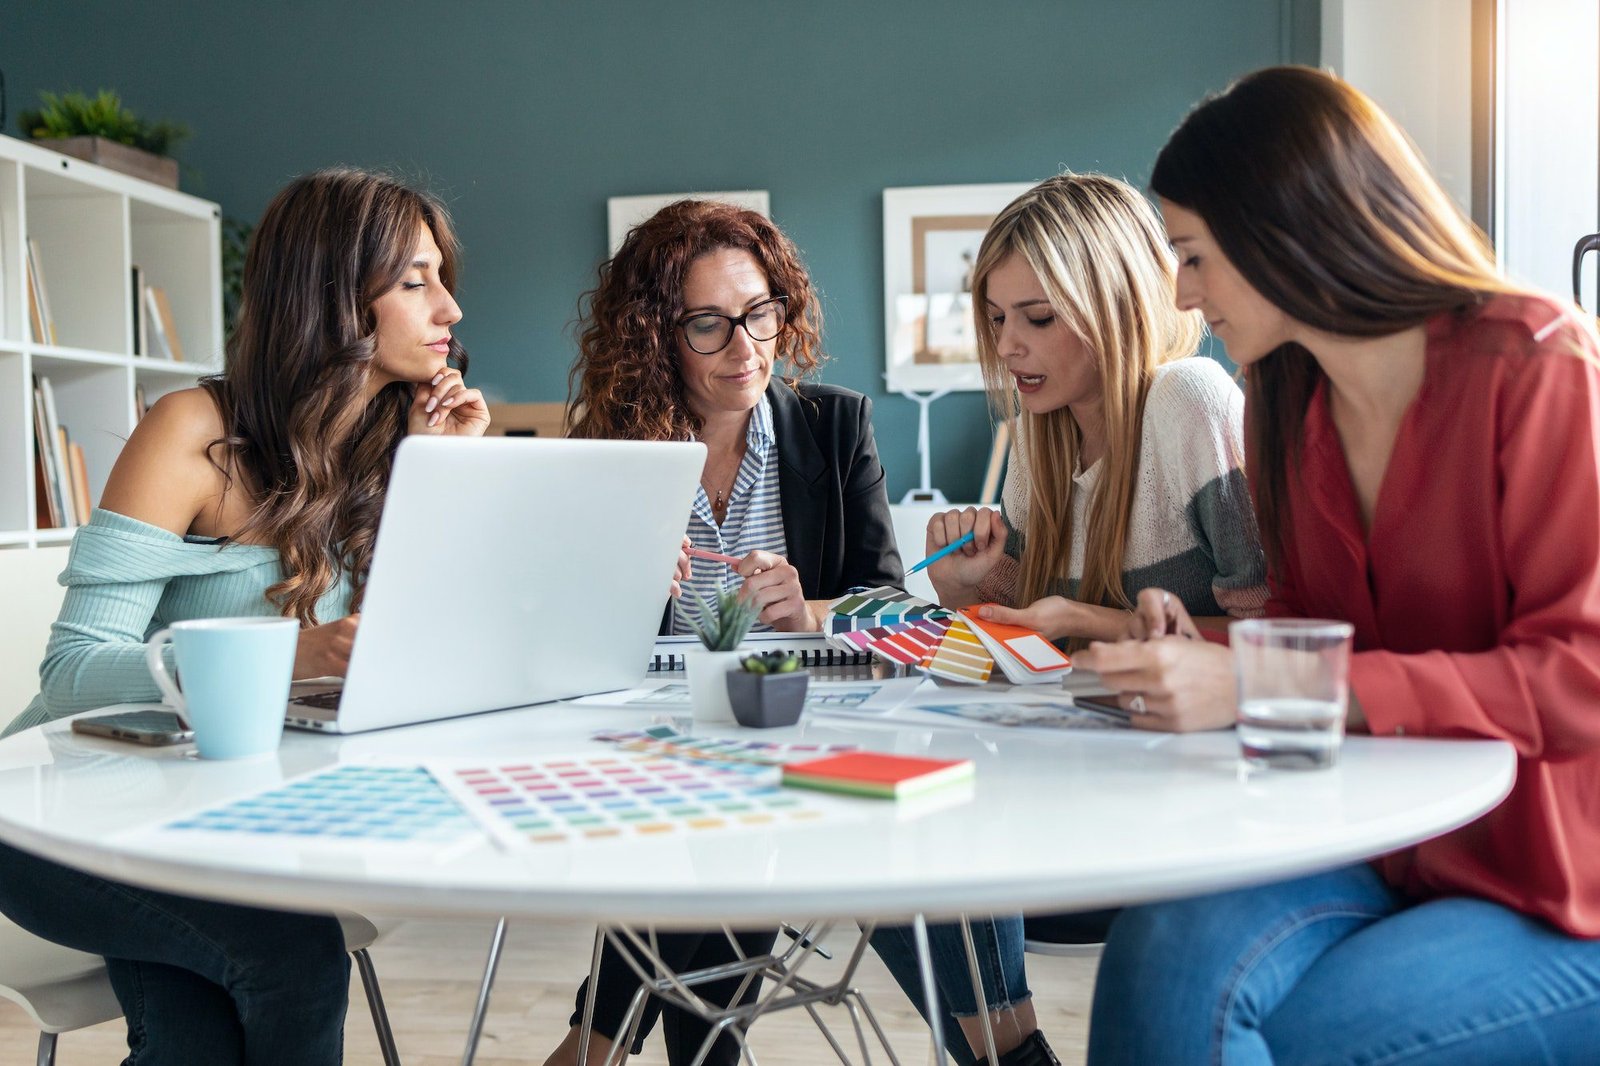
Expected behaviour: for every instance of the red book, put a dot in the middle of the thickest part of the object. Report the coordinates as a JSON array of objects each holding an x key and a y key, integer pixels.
[{"x": 867, "y": 773}]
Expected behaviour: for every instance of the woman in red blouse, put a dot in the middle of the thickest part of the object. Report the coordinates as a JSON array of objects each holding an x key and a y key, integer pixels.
[{"x": 1424, "y": 449}]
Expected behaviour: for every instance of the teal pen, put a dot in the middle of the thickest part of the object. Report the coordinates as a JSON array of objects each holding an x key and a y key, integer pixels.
[{"x": 965, "y": 538}]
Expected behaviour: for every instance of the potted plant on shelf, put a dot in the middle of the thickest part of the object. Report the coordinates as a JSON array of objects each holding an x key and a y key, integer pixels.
[
  {"x": 720, "y": 625},
  {"x": 98, "y": 129},
  {"x": 769, "y": 689}
]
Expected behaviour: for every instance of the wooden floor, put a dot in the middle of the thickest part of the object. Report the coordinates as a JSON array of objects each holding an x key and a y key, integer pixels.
[{"x": 430, "y": 971}]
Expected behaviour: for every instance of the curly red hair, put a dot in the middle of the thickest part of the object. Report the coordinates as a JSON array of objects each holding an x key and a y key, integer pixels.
[{"x": 625, "y": 384}]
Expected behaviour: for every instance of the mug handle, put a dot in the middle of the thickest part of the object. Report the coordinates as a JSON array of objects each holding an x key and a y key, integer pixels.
[{"x": 158, "y": 671}]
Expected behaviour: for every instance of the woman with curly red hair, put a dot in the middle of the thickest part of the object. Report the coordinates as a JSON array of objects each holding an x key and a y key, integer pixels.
[{"x": 683, "y": 339}]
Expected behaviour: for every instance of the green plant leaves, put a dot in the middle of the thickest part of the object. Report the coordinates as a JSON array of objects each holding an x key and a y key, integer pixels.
[
  {"x": 770, "y": 662},
  {"x": 723, "y": 626},
  {"x": 102, "y": 115}
]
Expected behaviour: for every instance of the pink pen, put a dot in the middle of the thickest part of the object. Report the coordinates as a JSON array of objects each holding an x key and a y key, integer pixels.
[{"x": 715, "y": 557}]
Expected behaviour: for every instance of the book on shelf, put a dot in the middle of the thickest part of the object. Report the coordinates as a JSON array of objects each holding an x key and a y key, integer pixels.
[
  {"x": 80, "y": 479},
  {"x": 35, "y": 316},
  {"x": 44, "y": 323},
  {"x": 163, "y": 328},
  {"x": 54, "y": 449},
  {"x": 141, "y": 329},
  {"x": 46, "y": 506},
  {"x": 140, "y": 405}
]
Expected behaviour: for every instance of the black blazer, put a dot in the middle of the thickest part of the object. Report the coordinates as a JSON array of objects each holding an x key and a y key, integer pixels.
[{"x": 832, "y": 489}]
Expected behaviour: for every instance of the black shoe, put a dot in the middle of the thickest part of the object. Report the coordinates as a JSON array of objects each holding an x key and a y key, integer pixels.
[{"x": 1034, "y": 1051}]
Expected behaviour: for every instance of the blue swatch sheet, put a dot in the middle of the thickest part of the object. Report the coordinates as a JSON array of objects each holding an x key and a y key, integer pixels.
[{"x": 348, "y": 804}]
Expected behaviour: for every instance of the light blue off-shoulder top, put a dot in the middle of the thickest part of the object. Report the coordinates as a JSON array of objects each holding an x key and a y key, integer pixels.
[{"x": 125, "y": 579}]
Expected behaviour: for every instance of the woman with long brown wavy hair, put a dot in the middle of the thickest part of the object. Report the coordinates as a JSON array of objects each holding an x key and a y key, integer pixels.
[
  {"x": 704, "y": 326},
  {"x": 1424, "y": 447},
  {"x": 256, "y": 493}
]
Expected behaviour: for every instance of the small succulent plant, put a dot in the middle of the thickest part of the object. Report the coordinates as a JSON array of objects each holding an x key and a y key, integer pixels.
[
  {"x": 770, "y": 662},
  {"x": 721, "y": 626}
]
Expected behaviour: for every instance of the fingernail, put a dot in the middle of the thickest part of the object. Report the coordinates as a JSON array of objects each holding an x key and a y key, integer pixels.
[
  {"x": 434, "y": 420},
  {"x": 437, "y": 378},
  {"x": 433, "y": 401}
]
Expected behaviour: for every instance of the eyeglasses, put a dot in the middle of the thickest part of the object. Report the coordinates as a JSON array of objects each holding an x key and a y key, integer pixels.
[{"x": 709, "y": 333}]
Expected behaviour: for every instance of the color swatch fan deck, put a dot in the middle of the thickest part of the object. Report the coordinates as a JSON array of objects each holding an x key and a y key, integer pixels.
[{"x": 956, "y": 646}]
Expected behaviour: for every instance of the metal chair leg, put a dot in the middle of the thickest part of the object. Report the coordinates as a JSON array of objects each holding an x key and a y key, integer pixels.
[
  {"x": 978, "y": 994},
  {"x": 47, "y": 1049},
  {"x": 380, "y": 1014},
  {"x": 930, "y": 989},
  {"x": 482, "y": 1009}
]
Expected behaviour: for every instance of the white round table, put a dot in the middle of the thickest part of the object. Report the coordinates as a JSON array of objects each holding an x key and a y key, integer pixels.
[
  {"x": 1053, "y": 822},
  {"x": 1078, "y": 820}
]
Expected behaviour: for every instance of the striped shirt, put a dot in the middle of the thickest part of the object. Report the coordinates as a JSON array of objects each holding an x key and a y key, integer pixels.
[{"x": 754, "y": 521}]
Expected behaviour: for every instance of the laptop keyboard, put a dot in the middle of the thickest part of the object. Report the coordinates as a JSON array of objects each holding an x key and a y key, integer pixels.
[{"x": 327, "y": 701}]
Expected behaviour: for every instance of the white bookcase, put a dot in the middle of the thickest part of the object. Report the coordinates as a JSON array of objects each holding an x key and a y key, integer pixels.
[{"x": 91, "y": 226}]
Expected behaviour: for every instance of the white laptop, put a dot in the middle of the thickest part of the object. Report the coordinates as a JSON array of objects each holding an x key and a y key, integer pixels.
[{"x": 510, "y": 571}]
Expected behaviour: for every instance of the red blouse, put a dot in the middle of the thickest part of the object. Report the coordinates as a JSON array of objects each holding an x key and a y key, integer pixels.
[{"x": 1476, "y": 595}]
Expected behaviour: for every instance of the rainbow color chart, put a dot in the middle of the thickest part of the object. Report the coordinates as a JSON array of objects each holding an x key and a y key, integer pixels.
[{"x": 588, "y": 798}]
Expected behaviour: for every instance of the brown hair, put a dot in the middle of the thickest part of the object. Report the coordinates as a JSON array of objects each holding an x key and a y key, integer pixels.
[
  {"x": 1326, "y": 208},
  {"x": 298, "y": 435},
  {"x": 1099, "y": 252},
  {"x": 625, "y": 383}
]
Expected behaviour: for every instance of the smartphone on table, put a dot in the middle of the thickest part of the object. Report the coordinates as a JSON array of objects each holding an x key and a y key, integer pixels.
[
  {"x": 153, "y": 726},
  {"x": 1105, "y": 703}
]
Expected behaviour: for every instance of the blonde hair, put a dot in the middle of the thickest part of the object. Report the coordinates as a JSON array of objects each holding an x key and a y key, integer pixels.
[{"x": 1102, "y": 257}]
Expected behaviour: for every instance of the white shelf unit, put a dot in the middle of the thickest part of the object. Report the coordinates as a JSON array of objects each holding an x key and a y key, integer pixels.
[{"x": 92, "y": 225}]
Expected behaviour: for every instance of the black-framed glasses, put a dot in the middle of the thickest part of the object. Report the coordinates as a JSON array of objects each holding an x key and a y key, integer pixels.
[{"x": 708, "y": 333}]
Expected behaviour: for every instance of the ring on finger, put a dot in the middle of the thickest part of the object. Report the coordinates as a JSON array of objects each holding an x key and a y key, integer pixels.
[{"x": 1136, "y": 705}]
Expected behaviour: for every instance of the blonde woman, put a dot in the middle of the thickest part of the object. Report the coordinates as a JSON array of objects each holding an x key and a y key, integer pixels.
[{"x": 1126, "y": 474}]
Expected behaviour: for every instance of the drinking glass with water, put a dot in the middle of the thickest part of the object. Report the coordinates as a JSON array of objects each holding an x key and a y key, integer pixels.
[{"x": 1294, "y": 688}]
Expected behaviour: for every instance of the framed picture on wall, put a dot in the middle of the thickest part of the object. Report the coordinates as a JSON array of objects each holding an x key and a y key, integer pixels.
[
  {"x": 625, "y": 212},
  {"x": 930, "y": 245}
]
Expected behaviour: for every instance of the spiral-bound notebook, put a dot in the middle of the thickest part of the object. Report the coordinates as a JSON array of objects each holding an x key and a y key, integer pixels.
[{"x": 810, "y": 648}]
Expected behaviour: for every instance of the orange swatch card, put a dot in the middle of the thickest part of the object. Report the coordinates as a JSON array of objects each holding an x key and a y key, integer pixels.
[{"x": 1024, "y": 654}]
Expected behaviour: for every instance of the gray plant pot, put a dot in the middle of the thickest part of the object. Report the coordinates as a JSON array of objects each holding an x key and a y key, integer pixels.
[{"x": 763, "y": 701}]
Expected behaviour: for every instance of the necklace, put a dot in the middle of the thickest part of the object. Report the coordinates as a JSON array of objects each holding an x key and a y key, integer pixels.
[{"x": 719, "y": 505}]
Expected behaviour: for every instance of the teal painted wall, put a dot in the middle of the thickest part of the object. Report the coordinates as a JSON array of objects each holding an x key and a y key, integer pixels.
[{"x": 526, "y": 115}]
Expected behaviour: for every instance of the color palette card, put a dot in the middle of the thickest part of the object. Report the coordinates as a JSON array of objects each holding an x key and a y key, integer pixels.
[
  {"x": 348, "y": 807},
  {"x": 1023, "y": 654},
  {"x": 866, "y": 608},
  {"x": 666, "y": 741},
  {"x": 961, "y": 656},
  {"x": 908, "y": 643},
  {"x": 582, "y": 799}
]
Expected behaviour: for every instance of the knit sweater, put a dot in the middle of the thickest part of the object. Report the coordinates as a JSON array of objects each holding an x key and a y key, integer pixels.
[
  {"x": 1192, "y": 531},
  {"x": 125, "y": 579}
]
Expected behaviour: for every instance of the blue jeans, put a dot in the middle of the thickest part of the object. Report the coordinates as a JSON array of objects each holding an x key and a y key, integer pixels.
[
  {"x": 1340, "y": 968},
  {"x": 199, "y": 982},
  {"x": 998, "y": 944}
]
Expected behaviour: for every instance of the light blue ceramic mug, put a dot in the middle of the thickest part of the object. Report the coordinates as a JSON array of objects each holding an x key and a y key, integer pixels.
[{"x": 236, "y": 674}]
